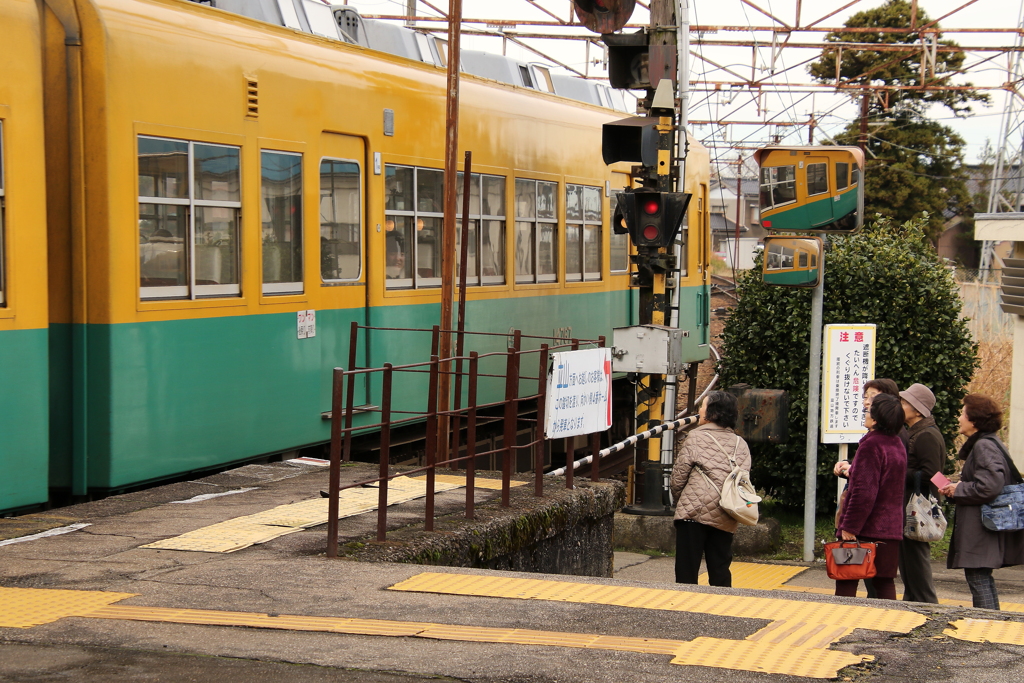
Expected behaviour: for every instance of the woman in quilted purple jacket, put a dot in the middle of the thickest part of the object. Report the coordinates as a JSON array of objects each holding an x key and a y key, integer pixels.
[
  {"x": 703, "y": 528},
  {"x": 873, "y": 510}
]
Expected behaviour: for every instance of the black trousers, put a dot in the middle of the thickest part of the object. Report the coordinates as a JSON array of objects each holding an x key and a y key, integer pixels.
[{"x": 694, "y": 540}]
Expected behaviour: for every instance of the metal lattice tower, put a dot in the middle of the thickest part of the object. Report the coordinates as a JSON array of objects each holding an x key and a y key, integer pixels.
[{"x": 1006, "y": 186}]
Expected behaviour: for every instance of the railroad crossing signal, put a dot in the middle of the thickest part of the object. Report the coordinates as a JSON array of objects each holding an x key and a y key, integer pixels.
[{"x": 651, "y": 218}]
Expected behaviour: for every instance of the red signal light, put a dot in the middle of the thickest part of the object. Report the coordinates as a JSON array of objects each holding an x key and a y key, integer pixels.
[
  {"x": 651, "y": 233},
  {"x": 651, "y": 207}
]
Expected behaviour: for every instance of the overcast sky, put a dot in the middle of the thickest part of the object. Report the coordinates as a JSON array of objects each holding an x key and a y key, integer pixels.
[{"x": 833, "y": 112}]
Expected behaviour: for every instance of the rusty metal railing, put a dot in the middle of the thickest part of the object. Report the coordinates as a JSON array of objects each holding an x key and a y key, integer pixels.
[{"x": 343, "y": 409}]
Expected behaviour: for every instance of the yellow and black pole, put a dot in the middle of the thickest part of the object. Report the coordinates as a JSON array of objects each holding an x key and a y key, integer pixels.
[{"x": 651, "y": 212}]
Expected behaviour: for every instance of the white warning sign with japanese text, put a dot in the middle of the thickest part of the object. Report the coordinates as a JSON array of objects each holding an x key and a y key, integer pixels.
[
  {"x": 849, "y": 362},
  {"x": 579, "y": 397}
]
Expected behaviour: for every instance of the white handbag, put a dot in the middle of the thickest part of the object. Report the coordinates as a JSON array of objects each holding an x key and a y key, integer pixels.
[
  {"x": 924, "y": 520},
  {"x": 737, "y": 497}
]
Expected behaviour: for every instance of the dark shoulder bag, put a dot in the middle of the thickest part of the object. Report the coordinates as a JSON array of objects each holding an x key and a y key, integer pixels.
[{"x": 1006, "y": 512}]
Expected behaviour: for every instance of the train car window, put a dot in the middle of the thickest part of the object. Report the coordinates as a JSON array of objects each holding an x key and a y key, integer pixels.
[
  {"x": 281, "y": 182},
  {"x": 842, "y": 175},
  {"x": 400, "y": 217},
  {"x": 414, "y": 218},
  {"x": 429, "y": 224},
  {"x": 620, "y": 244},
  {"x": 778, "y": 186},
  {"x": 485, "y": 252},
  {"x": 341, "y": 235},
  {"x": 536, "y": 231},
  {"x": 189, "y": 217},
  {"x": 817, "y": 179},
  {"x": 582, "y": 233},
  {"x": 3, "y": 204},
  {"x": 802, "y": 259},
  {"x": 855, "y": 175}
]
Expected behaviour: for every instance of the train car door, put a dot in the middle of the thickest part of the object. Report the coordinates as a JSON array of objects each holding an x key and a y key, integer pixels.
[
  {"x": 818, "y": 205},
  {"x": 343, "y": 172}
]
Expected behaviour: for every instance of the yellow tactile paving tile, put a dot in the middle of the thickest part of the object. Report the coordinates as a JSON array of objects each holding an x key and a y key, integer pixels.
[
  {"x": 1004, "y": 606},
  {"x": 478, "y": 482},
  {"x": 380, "y": 627},
  {"x": 987, "y": 631},
  {"x": 28, "y": 607},
  {"x": 224, "y": 537},
  {"x": 758, "y": 576},
  {"x": 746, "y": 655},
  {"x": 800, "y": 634},
  {"x": 242, "y": 532},
  {"x": 772, "y": 609},
  {"x": 24, "y": 607},
  {"x": 713, "y": 652}
]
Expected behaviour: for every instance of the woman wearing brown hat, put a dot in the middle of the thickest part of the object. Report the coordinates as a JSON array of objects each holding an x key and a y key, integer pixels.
[
  {"x": 987, "y": 469},
  {"x": 925, "y": 449}
]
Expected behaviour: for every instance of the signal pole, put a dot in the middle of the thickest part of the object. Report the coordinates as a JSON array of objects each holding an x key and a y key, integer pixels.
[{"x": 655, "y": 263}]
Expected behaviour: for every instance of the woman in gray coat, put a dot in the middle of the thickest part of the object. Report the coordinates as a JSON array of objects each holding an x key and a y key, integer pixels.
[
  {"x": 985, "y": 472},
  {"x": 702, "y": 527}
]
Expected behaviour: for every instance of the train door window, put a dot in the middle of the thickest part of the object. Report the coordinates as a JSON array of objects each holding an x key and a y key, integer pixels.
[
  {"x": 485, "y": 260},
  {"x": 281, "y": 182},
  {"x": 842, "y": 175},
  {"x": 3, "y": 200},
  {"x": 536, "y": 231},
  {"x": 189, "y": 216},
  {"x": 817, "y": 179},
  {"x": 582, "y": 233},
  {"x": 802, "y": 259},
  {"x": 778, "y": 186},
  {"x": 855, "y": 175},
  {"x": 341, "y": 235}
]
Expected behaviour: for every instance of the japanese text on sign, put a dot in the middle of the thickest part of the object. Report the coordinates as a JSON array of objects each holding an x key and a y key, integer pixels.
[
  {"x": 849, "y": 363},
  {"x": 579, "y": 393}
]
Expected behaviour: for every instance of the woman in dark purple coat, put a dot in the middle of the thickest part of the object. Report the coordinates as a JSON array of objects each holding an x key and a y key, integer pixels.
[{"x": 873, "y": 510}]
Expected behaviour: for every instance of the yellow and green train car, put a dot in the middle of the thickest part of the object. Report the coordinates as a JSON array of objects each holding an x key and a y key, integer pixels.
[
  {"x": 214, "y": 180},
  {"x": 24, "y": 370},
  {"x": 815, "y": 189}
]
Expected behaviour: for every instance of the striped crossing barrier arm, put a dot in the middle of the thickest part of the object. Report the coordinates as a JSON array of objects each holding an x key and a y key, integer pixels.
[{"x": 631, "y": 441}]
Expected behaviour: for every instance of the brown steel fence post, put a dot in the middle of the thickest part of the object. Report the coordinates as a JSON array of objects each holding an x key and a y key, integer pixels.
[
  {"x": 385, "y": 454},
  {"x": 431, "y": 439},
  {"x": 460, "y": 339},
  {"x": 335, "y": 475},
  {"x": 511, "y": 416},
  {"x": 595, "y": 438},
  {"x": 538, "y": 447},
  {"x": 570, "y": 444},
  {"x": 353, "y": 343},
  {"x": 471, "y": 436}
]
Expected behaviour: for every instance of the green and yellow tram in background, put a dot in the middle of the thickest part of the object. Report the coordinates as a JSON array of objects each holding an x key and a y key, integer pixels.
[{"x": 199, "y": 180}]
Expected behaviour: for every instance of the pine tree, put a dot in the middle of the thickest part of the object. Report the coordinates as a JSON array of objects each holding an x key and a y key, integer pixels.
[{"x": 914, "y": 164}]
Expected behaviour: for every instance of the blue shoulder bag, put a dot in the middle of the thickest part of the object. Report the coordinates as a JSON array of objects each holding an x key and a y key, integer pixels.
[{"x": 1006, "y": 512}]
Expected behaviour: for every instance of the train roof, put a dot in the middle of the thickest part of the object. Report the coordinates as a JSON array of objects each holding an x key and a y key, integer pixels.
[{"x": 344, "y": 23}]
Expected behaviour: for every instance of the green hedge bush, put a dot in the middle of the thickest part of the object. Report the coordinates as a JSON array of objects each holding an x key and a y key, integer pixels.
[{"x": 887, "y": 274}]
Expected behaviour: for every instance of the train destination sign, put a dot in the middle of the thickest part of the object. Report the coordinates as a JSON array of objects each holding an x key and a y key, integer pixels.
[
  {"x": 579, "y": 393},
  {"x": 849, "y": 362}
]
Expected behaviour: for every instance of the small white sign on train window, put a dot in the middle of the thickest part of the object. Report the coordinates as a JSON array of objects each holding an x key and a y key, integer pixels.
[{"x": 579, "y": 393}]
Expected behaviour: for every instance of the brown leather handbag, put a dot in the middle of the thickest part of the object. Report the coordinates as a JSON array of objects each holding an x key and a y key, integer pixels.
[{"x": 850, "y": 560}]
